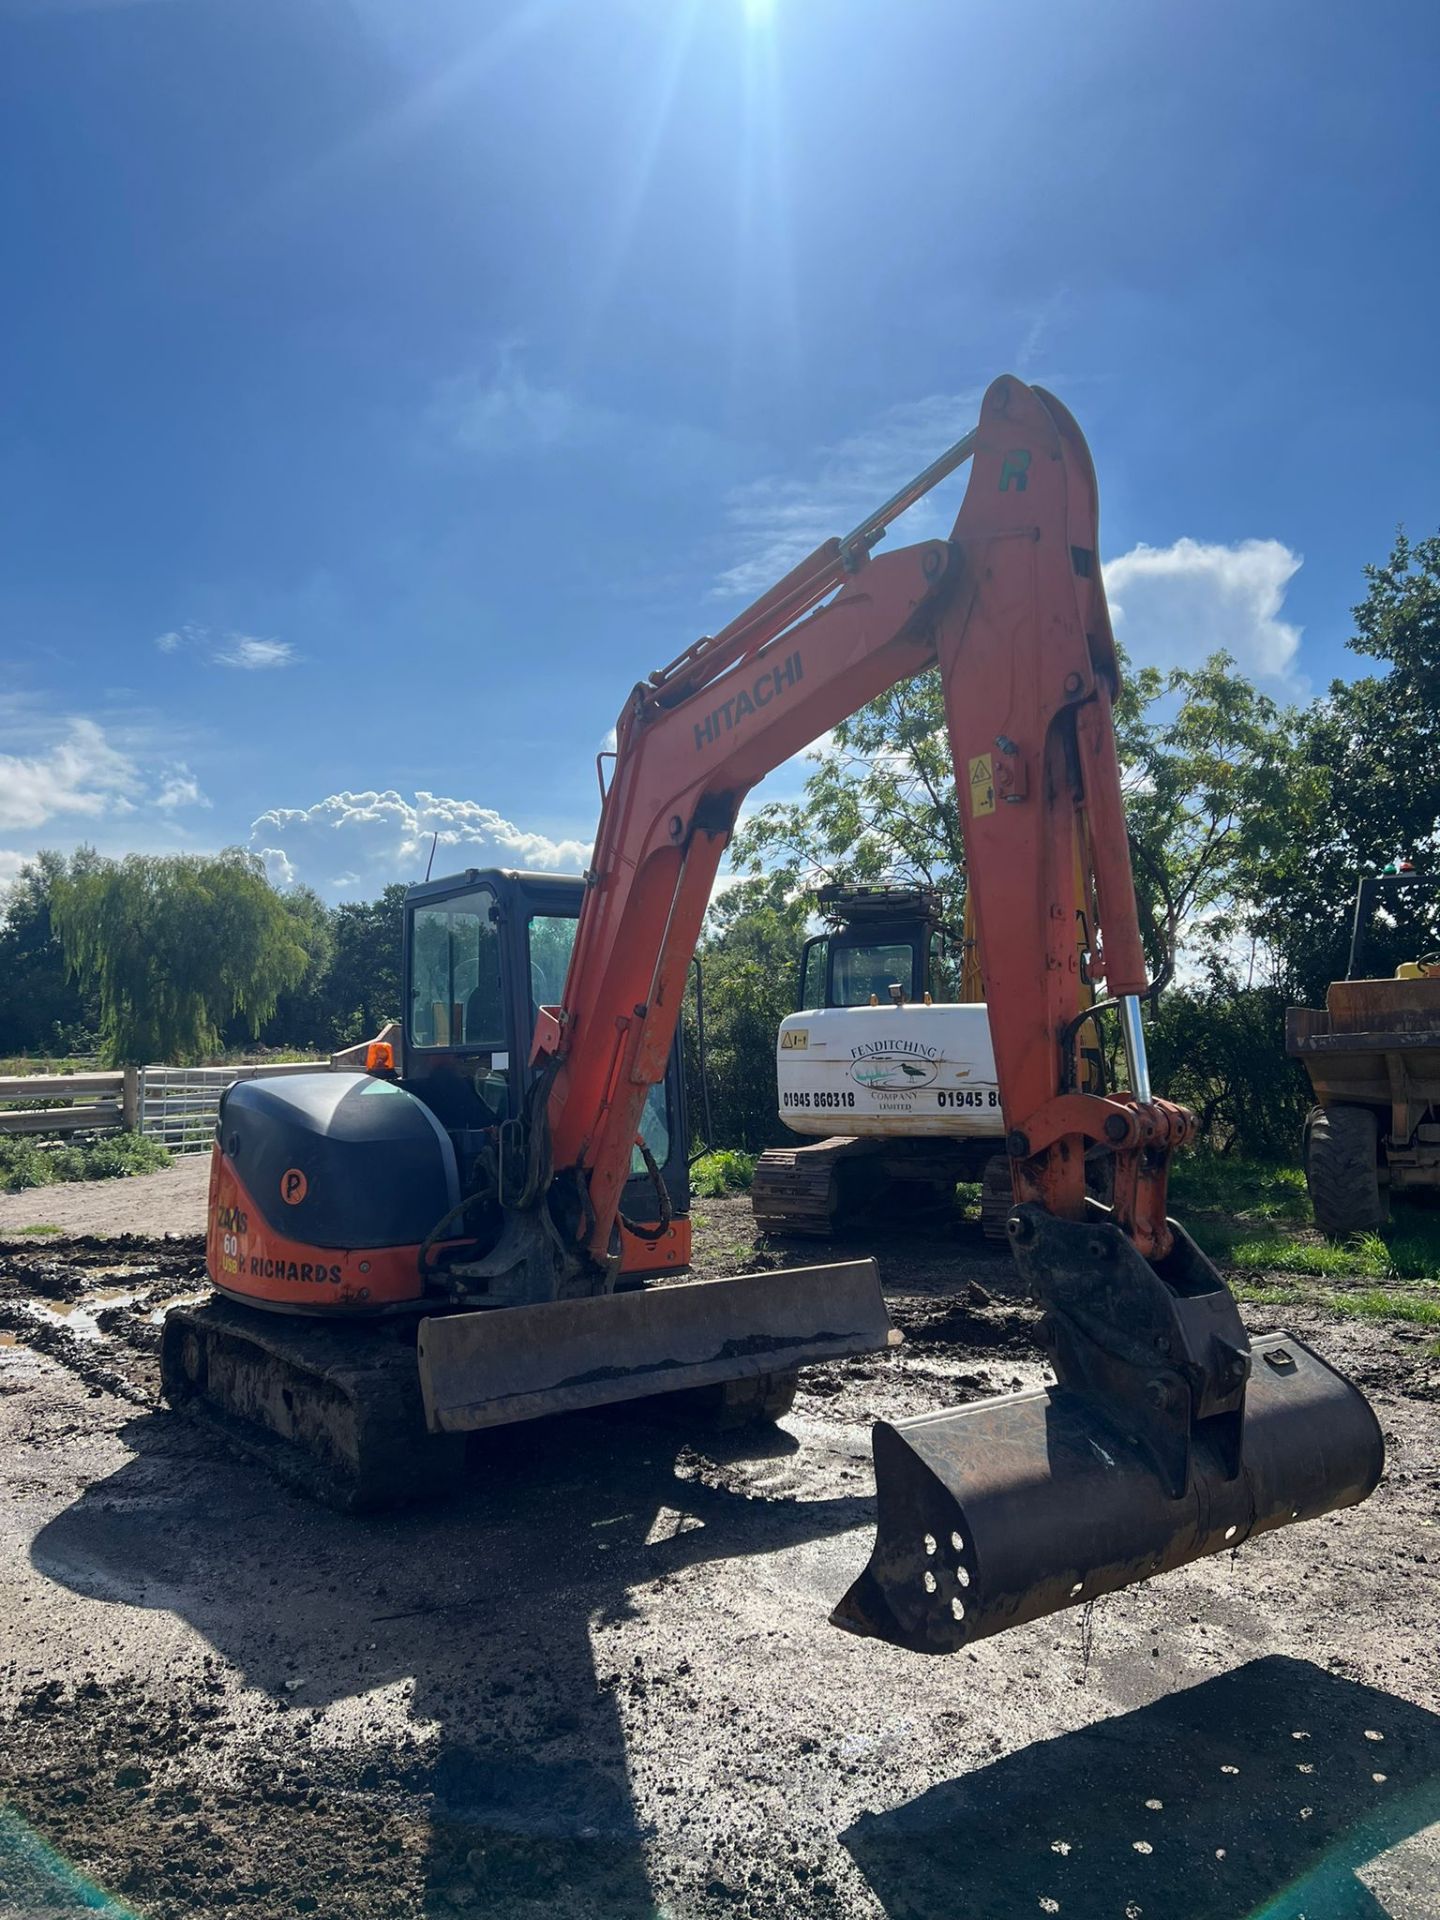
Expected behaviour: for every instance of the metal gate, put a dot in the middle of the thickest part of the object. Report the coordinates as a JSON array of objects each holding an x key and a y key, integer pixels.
[{"x": 178, "y": 1105}]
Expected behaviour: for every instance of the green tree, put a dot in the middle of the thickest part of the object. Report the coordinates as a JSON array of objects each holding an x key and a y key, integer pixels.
[
  {"x": 363, "y": 988},
  {"x": 1217, "y": 1046},
  {"x": 1371, "y": 747},
  {"x": 880, "y": 805},
  {"x": 1215, "y": 789},
  {"x": 1210, "y": 773},
  {"x": 177, "y": 946},
  {"x": 43, "y": 1009},
  {"x": 749, "y": 955},
  {"x": 303, "y": 1016}
]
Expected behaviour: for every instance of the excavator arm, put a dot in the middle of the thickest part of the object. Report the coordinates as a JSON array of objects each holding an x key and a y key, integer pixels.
[{"x": 1012, "y": 609}]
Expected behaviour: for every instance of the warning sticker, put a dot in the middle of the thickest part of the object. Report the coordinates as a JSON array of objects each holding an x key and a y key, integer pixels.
[
  {"x": 982, "y": 785},
  {"x": 794, "y": 1039}
]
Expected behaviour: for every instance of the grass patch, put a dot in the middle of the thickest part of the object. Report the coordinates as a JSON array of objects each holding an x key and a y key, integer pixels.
[
  {"x": 1215, "y": 1184},
  {"x": 1379, "y": 1303},
  {"x": 1262, "y": 1296},
  {"x": 1365, "y": 1258},
  {"x": 1359, "y": 1303},
  {"x": 24, "y": 1163},
  {"x": 967, "y": 1198},
  {"x": 726, "y": 1170},
  {"x": 13, "y": 1064},
  {"x": 1255, "y": 1221},
  {"x": 41, "y": 1226}
]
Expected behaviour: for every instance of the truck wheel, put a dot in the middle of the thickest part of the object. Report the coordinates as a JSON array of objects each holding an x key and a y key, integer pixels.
[{"x": 1342, "y": 1169}]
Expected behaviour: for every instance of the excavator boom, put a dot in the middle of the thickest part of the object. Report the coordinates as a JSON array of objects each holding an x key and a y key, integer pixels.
[{"x": 1012, "y": 610}]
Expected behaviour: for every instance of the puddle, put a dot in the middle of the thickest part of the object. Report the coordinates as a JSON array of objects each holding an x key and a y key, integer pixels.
[{"x": 79, "y": 1316}]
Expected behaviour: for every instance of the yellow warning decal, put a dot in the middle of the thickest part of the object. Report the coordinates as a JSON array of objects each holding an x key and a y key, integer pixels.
[
  {"x": 794, "y": 1039},
  {"x": 982, "y": 785}
]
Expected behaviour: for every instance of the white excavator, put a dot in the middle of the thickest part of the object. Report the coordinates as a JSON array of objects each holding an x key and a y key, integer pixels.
[{"x": 887, "y": 1068}]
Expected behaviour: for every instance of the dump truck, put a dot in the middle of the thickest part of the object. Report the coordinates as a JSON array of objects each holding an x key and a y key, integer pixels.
[{"x": 1373, "y": 1056}]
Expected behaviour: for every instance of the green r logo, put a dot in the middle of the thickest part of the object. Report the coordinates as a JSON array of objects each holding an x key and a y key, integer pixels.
[{"x": 1016, "y": 468}]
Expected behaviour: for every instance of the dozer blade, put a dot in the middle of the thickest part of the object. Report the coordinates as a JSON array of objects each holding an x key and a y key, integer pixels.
[
  {"x": 1002, "y": 1512},
  {"x": 486, "y": 1368}
]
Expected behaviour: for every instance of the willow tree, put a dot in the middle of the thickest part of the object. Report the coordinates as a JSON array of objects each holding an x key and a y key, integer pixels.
[{"x": 176, "y": 946}]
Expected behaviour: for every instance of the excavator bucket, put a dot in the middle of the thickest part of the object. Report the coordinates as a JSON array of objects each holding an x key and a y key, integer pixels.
[
  {"x": 484, "y": 1369},
  {"x": 1168, "y": 1436}
]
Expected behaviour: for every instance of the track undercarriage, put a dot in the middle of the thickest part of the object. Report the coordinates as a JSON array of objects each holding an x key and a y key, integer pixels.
[
  {"x": 372, "y": 1413},
  {"x": 333, "y": 1409},
  {"x": 812, "y": 1192}
]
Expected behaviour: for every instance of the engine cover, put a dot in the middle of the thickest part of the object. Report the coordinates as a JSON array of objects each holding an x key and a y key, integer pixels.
[
  {"x": 889, "y": 1070},
  {"x": 322, "y": 1187}
]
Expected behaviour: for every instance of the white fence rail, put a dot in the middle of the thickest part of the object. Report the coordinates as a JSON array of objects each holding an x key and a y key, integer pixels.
[
  {"x": 178, "y": 1105},
  {"x": 175, "y": 1105},
  {"x": 93, "y": 1102}
]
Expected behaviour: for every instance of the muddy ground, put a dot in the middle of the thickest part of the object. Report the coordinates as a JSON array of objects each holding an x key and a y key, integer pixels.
[{"x": 602, "y": 1683}]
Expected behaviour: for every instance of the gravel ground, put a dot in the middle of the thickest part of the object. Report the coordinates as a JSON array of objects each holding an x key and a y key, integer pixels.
[
  {"x": 171, "y": 1201},
  {"x": 601, "y": 1682}
]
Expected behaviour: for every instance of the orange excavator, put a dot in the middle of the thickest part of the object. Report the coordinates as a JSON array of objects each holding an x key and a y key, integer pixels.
[{"x": 1168, "y": 1433}]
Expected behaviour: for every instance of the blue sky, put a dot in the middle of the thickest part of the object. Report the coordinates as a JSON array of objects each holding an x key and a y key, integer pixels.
[{"x": 387, "y": 384}]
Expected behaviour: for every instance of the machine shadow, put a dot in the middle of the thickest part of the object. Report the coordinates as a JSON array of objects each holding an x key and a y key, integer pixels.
[
  {"x": 488, "y": 1610},
  {"x": 1277, "y": 1779}
]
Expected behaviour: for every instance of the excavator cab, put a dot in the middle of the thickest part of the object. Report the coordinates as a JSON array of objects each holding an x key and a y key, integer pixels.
[
  {"x": 879, "y": 943},
  {"x": 887, "y": 1066},
  {"x": 483, "y": 952}
]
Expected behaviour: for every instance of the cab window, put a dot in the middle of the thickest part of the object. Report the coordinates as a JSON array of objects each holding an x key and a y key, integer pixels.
[
  {"x": 944, "y": 969},
  {"x": 455, "y": 991},
  {"x": 860, "y": 971},
  {"x": 812, "y": 974},
  {"x": 654, "y": 1127},
  {"x": 552, "y": 940}
]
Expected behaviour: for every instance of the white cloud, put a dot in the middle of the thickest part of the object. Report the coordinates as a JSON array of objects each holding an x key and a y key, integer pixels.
[
  {"x": 1174, "y": 606},
  {"x": 78, "y": 773},
  {"x": 243, "y": 650},
  {"x": 179, "y": 788},
  {"x": 10, "y": 865},
  {"x": 371, "y": 839},
  {"x": 505, "y": 412},
  {"x": 779, "y": 519}
]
